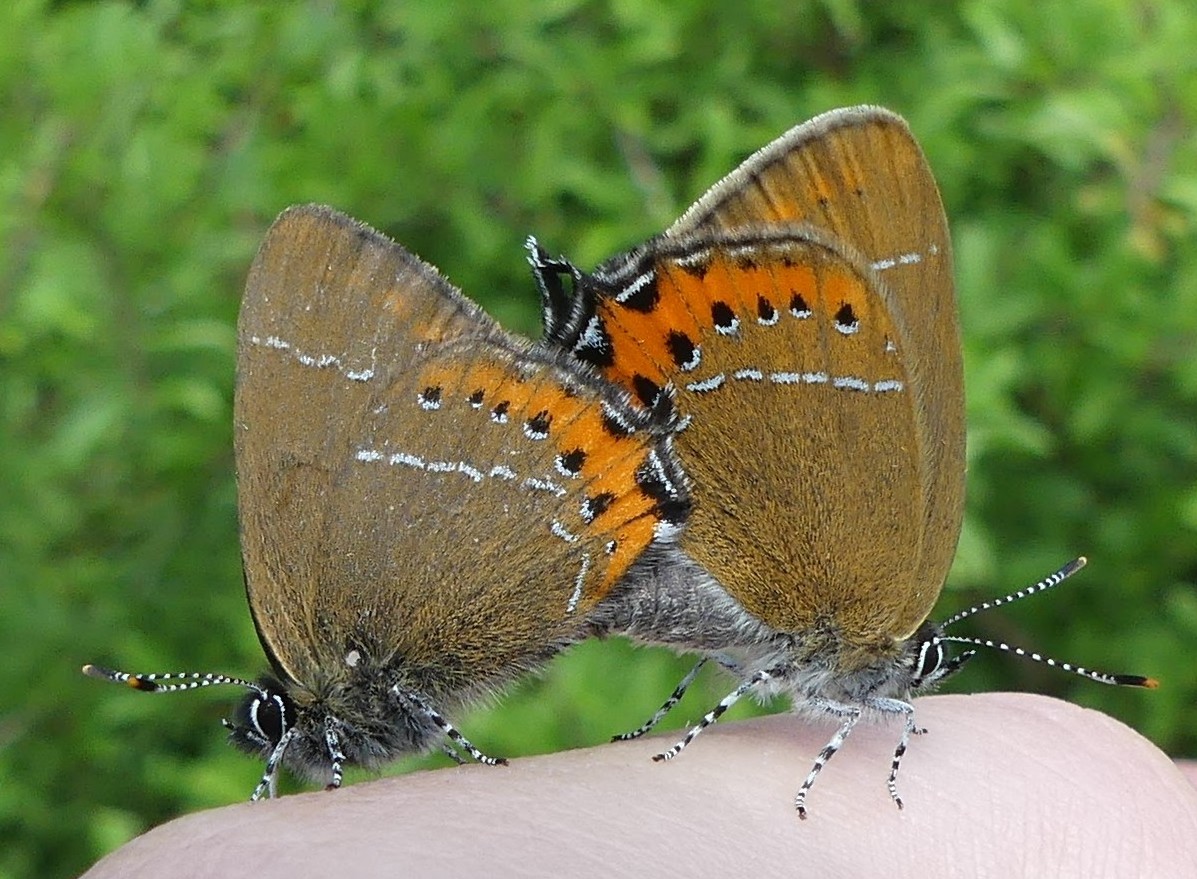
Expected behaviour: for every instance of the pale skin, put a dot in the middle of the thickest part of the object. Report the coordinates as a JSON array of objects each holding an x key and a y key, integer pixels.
[{"x": 1001, "y": 785}]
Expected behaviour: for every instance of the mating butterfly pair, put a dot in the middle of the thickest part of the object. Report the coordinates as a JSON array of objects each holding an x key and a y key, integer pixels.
[{"x": 745, "y": 439}]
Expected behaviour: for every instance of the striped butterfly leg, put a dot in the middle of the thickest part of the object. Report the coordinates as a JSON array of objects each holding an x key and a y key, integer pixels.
[
  {"x": 758, "y": 679},
  {"x": 676, "y": 696},
  {"x": 454, "y": 735}
]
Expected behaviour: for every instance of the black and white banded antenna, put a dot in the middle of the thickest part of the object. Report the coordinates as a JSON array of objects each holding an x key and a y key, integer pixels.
[
  {"x": 1049, "y": 582},
  {"x": 168, "y": 682}
]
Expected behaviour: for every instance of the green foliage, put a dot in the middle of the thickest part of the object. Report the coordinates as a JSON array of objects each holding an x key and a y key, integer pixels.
[{"x": 144, "y": 149}]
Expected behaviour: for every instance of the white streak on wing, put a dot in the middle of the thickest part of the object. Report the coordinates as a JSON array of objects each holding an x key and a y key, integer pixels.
[
  {"x": 472, "y": 472},
  {"x": 799, "y": 378},
  {"x": 744, "y": 251},
  {"x": 544, "y": 485},
  {"x": 902, "y": 259},
  {"x": 592, "y": 336},
  {"x": 638, "y": 284},
  {"x": 662, "y": 476},
  {"x": 618, "y": 417},
  {"x": 851, "y": 383},
  {"x": 407, "y": 460},
  {"x": 708, "y": 384},
  {"x": 579, "y": 582},
  {"x": 841, "y": 382},
  {"x": 318, "y": 361},
  {"x": 696, "y": 258},
  {"x": 503, "y": 472},
  {"x": 563, "y": 532},
  {"x": 404, "y": 459},
  {"x": 499, "y": 471},
  {"x": 364, "y": 375}
]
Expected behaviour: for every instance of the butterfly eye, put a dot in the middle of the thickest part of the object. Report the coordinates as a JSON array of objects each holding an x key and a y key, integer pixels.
[
  {"x": 930, "y": 662},
  {"x": 268, "y": 715}
]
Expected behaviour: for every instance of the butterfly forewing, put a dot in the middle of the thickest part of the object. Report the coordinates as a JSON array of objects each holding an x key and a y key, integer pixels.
[
  {"x": 859, "y": 174},
  {"x": 790, "y": 376},
  {"x": 452, "y": 500}
]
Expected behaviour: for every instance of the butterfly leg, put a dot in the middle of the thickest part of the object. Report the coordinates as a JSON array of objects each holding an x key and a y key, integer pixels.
[
  {"x": 850, "y": 714},
  {"x": 269, "y": 780},
  {"x": 451, "y": 731},
  {"x": 897, "y": 706},
  {"x": 715, "y": 713},
  {"x": 333, "y": 742},
  {"x": 676, "y": 696}
]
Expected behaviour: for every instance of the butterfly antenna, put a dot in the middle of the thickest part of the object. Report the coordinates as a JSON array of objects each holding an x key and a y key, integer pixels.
[
  {"x": 166, "y": 683},
  {"x": 1049, "y": 582}
]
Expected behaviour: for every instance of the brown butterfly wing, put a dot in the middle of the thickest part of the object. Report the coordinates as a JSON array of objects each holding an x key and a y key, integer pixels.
[
  {"x": 793, "y": 379},
  {"x": 414, "y": 483},
  {"x": 859, "y": 174}
]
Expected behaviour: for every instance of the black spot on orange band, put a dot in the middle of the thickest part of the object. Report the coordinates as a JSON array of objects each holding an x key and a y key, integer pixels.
[
  {"x": 655, "y": 479},
  {"x": 723, "y": 316},
  {"x": 594, "y": 345},
  {"x": 846, "y": 317},
  {"x": 647, "y": 390},
  {"x": 681, "y": 349},
  {"x": 593, "y": 507},
  {"x": 571, "y": 462},
  {"x": 765, "y": 311},
  {"x": 644, "y": 297},
  {"x": 537, "y": 427}
]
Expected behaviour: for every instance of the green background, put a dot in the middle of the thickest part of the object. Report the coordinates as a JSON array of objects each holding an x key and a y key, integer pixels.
[{"x": 145, "y": 148}]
